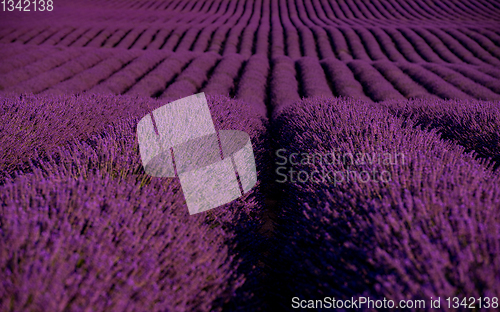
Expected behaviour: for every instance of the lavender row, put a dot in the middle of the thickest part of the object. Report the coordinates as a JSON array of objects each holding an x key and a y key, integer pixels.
[
  {"x": 20, "y": 60},
  {"x": 242, "y": 13},
  {"x": 158, "y": 79},
  {"x": 438, "y": 46},
  {"x": 478, "y": 77},
  {"x": 374, "y": 84},
  {"x": 106, "y": 205},
  {"x": 192, "y": 78},
  {"x": 468, "y": 86},
  {"x": 432, "y": 82},
  {"x": 371, "y": 44},
  {"x": 411, "y": 231},
  {"x": 124, "y": 79},
  {"x": 39, "y": 67},
  {"x": 342, "y": 79},
  {"x": 292, "y": 43},
  {"x": 404, "y": 46},
  {"x": 277, "y": 32},
  {"x": 312, "y": 21},
  {"x": 262, "y": 35},
  {"x": 421, "y": 47},
  {"x": 284, "y": 85},
  {"x": 482, "y": 40},
  {"x": 307, "y": 40},
  {"x": 312, "y": 78},
  {"x": 224, "y": 75},
  {"x": 92, "y": 76},
  {"x": 252, "y": 85},
  {"x": 249, "y": 32},
  {"x": 402, "y": 82},
  {"x": 355, "y": 44},
  {"x": 34, "y": 124},
  {"x": 473, "y": 47},
  {"x": 67, "y": 70},
  {"x": 474, "y": 125}
]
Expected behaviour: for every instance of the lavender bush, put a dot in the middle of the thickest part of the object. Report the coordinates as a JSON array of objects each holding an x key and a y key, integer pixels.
[
  {"x": 410, "y": 238},
  {"x": 473, "y": 125}
]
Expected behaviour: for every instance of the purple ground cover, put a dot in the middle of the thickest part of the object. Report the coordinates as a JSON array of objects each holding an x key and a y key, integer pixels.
[
  {"x": 83, "y": 228},
  {"x": 429, "y": 230},
  {"x": 134, "y": 245}
]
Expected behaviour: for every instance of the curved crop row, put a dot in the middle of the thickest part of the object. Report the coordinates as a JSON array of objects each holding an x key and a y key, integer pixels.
[
  {"x": 371, "y": 44},
  {"x": 158, "y": 39},
  {"x": 292, "y": 41},
  {"x": 249, "y": 32},
  {"x": 218, "y": 39},
  {"x": 404, "y": 46},
  {"x": 478, "y": 77},
  {"x": 87, "y": 37},
  {"x": 59, "y": 35},
  {"x": 157, "y": 80},
  {"x": 73, "y": 36},
  {"x": 224, "y": 75},
  {"x": 192, "y": 78},
  {"x": 312, "y": 78},
  {"x": 473, "y": 47},
  {"x": 387, "y": 45},
  {"x": 101, "y": 37},
  {"x": 343, "y": 81},
  {"x": 495, "y": 38},
  {"x": 262, "y": 35},
  {"x": 145, "y": 38},
  {"x": 356, "y": 46},
  {"x": 432, "y": 82},
  {"x": 466, "y": 85},
  {"x": 456, "y": 47},
  {"x": 373, "y": 82},
  {"x": 284, "y": 85},
  {"x": 482, "y": 40},
  {"x": 18, "y": 31},
  {"x": 401, "y": 82},
  {"x": 437, "y": 45},
  {"x": 253, "y": 82},
  {"x": 243, "y": 12},
  {"x": 22, "y": 59},
  {"x": 39, "y": 67},
  {"x": 421, "y": 46},
  {"x": 277, "y": 35},
  {"x": 125, "y": 78},
  {"x": 64, "y": 72},
  {"x": 307, "y": 40},
  {"x": 34, "y": 36},
  {"x": 92, "y": 76}
]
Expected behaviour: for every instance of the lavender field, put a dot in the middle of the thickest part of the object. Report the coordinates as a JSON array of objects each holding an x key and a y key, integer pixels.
[{"x": 84, "y": 228}]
